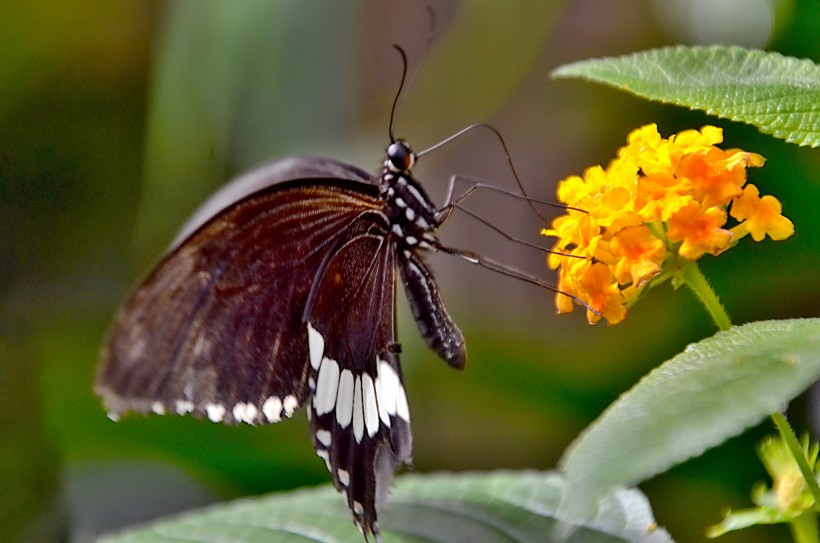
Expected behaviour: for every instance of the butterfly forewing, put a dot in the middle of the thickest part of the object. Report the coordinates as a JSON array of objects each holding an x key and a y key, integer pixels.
[
  {"x": 281, "y": 290},
  {"x": 217, "y": 328}
]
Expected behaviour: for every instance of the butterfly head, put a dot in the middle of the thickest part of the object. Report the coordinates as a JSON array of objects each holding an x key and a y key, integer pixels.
[{"x": 400, "y": 157}]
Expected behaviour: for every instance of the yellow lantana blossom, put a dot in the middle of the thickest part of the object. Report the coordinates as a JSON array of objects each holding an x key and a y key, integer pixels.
[
  {"x": 639, "y": 255},
  {"x": 660, "y": 202},
  {"x": 699, "y": 229},
  {"x": 760, "y": 216}
]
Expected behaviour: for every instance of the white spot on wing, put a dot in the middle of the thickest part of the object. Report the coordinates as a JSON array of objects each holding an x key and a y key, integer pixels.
[
  {"x": 358, "y": 412},
  {"x": 245, "y": 412},
  {"x": 410, "y": 214},
  {"x": 158, "y": 408},
  {"x": 344, "y": 399},
  {"x": 289, "y": 405},
  {"x": 324, "y": 455},
  {"x": 344, "y": 477},
  {"x": 184, "y": 406},
  {"x": 113, "y": 416},
  {"x": 390, "y": 385},
  {"x": 215, "y": 411},
  {"x": 324, "y": 437},
  {"x": 383, "y": 414},
  {"x": 358, "y": 508},
  {"x": 371, "y": 410},
  {"x": 324, "y": 400},
  {"x": 272, "y": 408},
  {"x": 316, "y": 344},
  {"x": 392, "y": 393},
  {"x": 402, "y": 409}
]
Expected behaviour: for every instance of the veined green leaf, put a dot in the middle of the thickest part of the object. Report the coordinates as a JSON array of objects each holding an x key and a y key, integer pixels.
[
  {"x": 493, "y": 507},
  {"x": 698, "y": 399},
  {"x": 778, "y": 94}
]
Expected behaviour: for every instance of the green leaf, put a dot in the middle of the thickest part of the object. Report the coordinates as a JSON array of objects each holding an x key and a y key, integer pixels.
[
  {"x": 698, "y": 399},
  {"x": 780, "y": 95},
  {"x": 500, "y": 506}
]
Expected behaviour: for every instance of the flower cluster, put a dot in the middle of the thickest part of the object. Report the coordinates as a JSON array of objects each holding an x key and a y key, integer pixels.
[{"x": 659, "y": 204}]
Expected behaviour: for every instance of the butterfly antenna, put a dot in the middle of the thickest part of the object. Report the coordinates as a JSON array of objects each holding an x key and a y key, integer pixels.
[
  {"x": 399, "y": 93},
  {"x": 405, "y": 81}
]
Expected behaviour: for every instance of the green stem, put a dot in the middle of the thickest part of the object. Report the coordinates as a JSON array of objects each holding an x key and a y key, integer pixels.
[
  {"x": 804, "y": 528},
  {"x": 791, "y": 442},
  {"x": 697, "y": 283}
]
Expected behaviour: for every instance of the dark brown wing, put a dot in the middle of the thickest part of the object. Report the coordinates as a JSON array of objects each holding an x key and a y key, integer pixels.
[
  {"x": 359, "y": 413},
  {"x": 286, "y": 293},
  {"x": 216, "y": 329}
]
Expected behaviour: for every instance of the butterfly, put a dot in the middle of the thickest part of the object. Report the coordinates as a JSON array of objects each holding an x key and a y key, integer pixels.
[
  {"x": 286, "y": 298},
  {"x": 280, "y": 294}
]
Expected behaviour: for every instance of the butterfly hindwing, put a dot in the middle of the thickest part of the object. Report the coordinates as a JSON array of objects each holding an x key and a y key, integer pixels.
[
  {"x": 359, "y": 414},
  {"x": 363, "y": 460}
]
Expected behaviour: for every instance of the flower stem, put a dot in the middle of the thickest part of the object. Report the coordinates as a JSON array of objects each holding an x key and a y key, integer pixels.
[
  {"x": 804, "y": 528},
  {"x": 790, "y": 439},
  {"x": 697, "y": 283}
]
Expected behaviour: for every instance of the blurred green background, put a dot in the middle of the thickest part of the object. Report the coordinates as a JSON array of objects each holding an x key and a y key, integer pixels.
[{"x": 118, "y": 118}]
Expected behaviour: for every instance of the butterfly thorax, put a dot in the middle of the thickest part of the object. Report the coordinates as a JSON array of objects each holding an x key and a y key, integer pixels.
[{"x": 413, "y": 216}]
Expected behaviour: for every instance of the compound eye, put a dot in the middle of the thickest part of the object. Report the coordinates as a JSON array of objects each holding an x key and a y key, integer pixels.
[{"x": 400, "y": 155}]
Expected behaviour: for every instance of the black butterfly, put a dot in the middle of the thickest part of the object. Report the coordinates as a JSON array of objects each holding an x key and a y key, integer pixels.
[
  {"x": 280, "y": 293},
  {"x": 286, "y": 297}
]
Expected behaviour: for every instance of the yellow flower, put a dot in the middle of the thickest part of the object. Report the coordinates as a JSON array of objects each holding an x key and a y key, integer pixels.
[
  {"x": 639, "y": 255},
  {"x": 659, "y": 196},
  {"x": 761, "y": 216},
  {"x": 660, "y": 203},
  {"x": 691, "y": 141},
  {"x": 572, "y": 189},
  {"x": 716, "y": 175},
  {"x": 700, "y": 230},
  {"x": 601, "y": 292}
]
